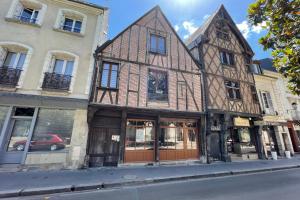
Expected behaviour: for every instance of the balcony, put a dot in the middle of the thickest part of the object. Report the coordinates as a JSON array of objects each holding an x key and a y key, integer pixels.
[
  {"x": 55, "y": 81},
  {"x": 9, "y": 76},
  {"x": 294, "y": 114}
]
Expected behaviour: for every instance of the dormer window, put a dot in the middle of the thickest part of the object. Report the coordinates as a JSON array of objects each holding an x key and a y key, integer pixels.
[{"x": 72, "y": 25}]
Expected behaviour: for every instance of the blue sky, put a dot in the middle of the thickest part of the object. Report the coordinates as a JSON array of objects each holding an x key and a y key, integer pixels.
[{"x": 184, "y": 15}]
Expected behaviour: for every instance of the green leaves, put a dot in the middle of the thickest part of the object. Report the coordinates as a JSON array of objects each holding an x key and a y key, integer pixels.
[{"x": 282, "y": 19}]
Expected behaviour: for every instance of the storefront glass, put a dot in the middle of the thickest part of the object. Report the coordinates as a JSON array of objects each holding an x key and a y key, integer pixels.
[
  {"x": 53, "y": 130},
  {"x": 140, "y": 135},
  {"x": 3, "y": 113},
  {"x": 240, "y": 141}
]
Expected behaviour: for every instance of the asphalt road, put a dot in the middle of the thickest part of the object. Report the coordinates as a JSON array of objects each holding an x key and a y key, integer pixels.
[{"x": 279, "y": 185}]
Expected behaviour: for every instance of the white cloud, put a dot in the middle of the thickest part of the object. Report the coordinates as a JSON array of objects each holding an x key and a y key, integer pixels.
[
  {"x": 176, "y": 27},
  {"x": 247, "y": 29},
  {"x": 206, "y": 16},
  {"x": 186, "y": 36},
  {"x": 190, "y": 27},
  {"x": 244, "y": 28}
]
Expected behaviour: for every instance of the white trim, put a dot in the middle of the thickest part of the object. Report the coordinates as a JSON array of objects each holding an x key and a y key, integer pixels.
[
  {"x": 61, "y": 15},
  {"x": 48, "y": 62},
  {"x": 26, "y": 62}
]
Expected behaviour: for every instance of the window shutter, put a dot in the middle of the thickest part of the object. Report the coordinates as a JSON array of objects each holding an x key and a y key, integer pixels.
[
  {"x": 18, "y": 10},
  {"x": 51, "y": 64},
  {"x": 62, "y": 21},
  {"x": 270, "y": 102},
  {"x": 3, "y": 53},
  {"x": 262, "y": 103}
]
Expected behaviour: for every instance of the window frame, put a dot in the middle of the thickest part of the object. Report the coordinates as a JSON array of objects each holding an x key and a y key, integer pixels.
[
  {"x": 156, "y": 50},
  {"x": 73, "y": 28},
  {"x": 16, "y": 61},
  {"x": 32, "y": 19},
  {"x": 228, "y": 55},
  {"x": 167, "y": 81},
  {"x": 222, "y": 34},
  {"x": 109, "y": 75},
  {"x": 65, "y": 62},
  {"x": 234, "y": 89}
]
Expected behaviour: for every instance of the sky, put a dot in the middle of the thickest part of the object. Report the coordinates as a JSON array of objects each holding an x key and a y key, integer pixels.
[{"x": 185, "y": 16}]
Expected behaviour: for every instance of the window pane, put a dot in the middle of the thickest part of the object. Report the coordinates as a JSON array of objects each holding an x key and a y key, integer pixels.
[
  {"x": 191, "y": 139},
  {"x": 10, "y": 60},
  {"x": 130, "y": 138},
  {"x": 179, "y": 138},
  {"x": 3, "y": 113},
  {"x": 171, "y": 137},
  {"x": 26, "y": 15},
  {"x": 21, "y": 61},
  {"x": 237, "y": 94},
  {"x": 157, "y": 85},
  {"x": 149, "y": 138},
  {"x": 115, "y": 67},
  {"x": 77, "y": 27},
  {"x": 19, "y": 135},
  {"x": 106, "y": 66},
  {"x": 53, "y": 130},
  {"x": 68, "y": 24},
  {"x": 69, "y": 68},
  {"x": 104, "y": 78},
  {"x": 113, "y": 79},
  {"x": 161, "y": 45},
  {"x": 230, "y": 93},
  {"x": 140, "y": 138},
  {"x": 58, "y": 66},
  {"x": 35, "y": 15},
  {"x": 153, "y": 43}
]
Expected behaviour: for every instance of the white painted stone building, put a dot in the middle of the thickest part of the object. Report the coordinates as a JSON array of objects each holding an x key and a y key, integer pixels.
[{"x": 46, "y": 68}]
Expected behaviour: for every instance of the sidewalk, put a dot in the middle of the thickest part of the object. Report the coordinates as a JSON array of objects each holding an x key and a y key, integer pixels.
[{"x": 14, "y": 184}]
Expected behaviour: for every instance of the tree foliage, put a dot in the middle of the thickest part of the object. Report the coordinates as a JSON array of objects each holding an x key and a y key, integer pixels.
[{"x": 281, "y": 19}]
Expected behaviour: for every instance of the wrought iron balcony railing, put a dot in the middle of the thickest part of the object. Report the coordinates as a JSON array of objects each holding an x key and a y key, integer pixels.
[
  {"x": 56, "y": 81},
  {"x": 9, "y": 76}
]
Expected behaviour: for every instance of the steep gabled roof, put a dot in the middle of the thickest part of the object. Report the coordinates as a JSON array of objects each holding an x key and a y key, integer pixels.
[
  {"x": 103, "y": 46},
  {"x": 267, "y": 64},
  {"x": 195, "y": 38}
]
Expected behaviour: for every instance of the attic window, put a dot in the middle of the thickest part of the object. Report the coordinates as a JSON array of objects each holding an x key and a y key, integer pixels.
[{"x": 157, "y": 44}]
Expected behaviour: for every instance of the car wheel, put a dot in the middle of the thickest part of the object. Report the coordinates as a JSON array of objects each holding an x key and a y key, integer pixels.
[
  {"x": 20, "y": 147},
  {"x": 53, "y": 147}
]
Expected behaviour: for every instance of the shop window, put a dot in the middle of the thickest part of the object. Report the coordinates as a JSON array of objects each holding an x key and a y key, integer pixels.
[
  {"x": 140, "y": 135},
  {"x": 157, "y": 44},
  {"x": 233, "y": 90},
  {"x": 191, "y": 139},
  {"x": 109, "y": 75},
  {"x": 227, "y": 58},
  {"x": 3, "y": 113},
  {"x": 157, "y": 85},
  {"x": 171, "y": 138},
  {"x": 53, "y": 130}
]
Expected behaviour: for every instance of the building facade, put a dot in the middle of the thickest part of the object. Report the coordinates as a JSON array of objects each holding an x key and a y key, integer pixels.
[
  {"x": 273, "y": 126},
  {"x": 46, "y": 67},
  {"x": 146, "y": 105},
  {"x": 289, "y": 107},
  {"x": 230, "y": 95}
]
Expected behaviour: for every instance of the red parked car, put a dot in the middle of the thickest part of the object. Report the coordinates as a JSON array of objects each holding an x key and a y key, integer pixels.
[{"x": 50, "y": 142}]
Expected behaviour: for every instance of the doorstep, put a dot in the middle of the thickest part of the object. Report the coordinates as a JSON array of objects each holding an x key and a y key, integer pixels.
[{"x": 162, "y": 163}]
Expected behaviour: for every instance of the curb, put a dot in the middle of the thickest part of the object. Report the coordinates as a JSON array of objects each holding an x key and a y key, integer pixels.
[{"x": 101, "y": 185}]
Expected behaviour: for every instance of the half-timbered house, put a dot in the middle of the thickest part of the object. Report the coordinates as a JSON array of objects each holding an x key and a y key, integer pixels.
[
  {"x": 146, "y": 103},
  {"x": 231, "y": 99}
]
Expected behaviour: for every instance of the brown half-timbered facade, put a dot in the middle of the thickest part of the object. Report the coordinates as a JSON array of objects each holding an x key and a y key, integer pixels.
[
  {"x": 146, "y": 103},
  {"x": 231, "y": 98}
]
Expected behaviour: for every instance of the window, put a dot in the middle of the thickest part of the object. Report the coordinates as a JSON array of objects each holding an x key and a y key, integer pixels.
[
  {"x": 3, "y": 113},
  {"x": 64, "y": 67},
  {"x": 14, "y": 60},
  {"x": 29, "y": 15},
  {"x": 256, "y": 69},
  {"x": 72, "y": 25},
  {"x": 227, "y": 58},
  {"x": 267, "y": 102},
  {"x": 109, "y": 77},
  {"x": 52, "y": 133},
  {"x": 254, "y": 94},
  {"x": 158, "y": 85},
  {"x": 233, "y": 90},
  {"x": 157, "y": 44},
  {"x": 223, "y": 34},
  {"x": 140, "y": 135}
]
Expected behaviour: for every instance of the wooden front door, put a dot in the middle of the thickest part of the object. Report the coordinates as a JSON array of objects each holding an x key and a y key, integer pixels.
[
  {"x": 103, "y": 145},
  {"x": 178, "y": 143},
  {"x": 139, "y": 142}
]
